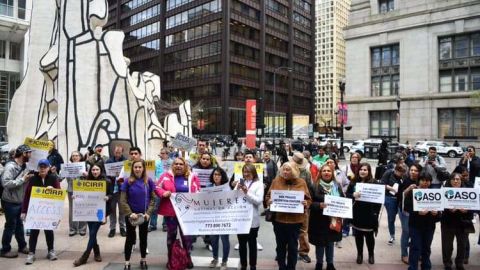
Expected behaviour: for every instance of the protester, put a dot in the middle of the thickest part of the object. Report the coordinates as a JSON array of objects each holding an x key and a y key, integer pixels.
[
  {"x": 253, "y": 190},
  {"x": 270, "y": 172},
  {"x": 161, "y": 165},
  {"x": 472, "y": 163},
  {"x": 313, "y": 169},
  {"x": 351, "y": 170},
  {"x": 286, "y": 226},
  {"x": 456, "y": 224},
  {"x": 75, "y": 227},
  {"x": 136, "y": 202},
  {"x": 409, "y": 183},
  {"x": 431, "y": 164},
  {"x": 14, "y": 180},
  {"x": 421, "y": 228},
  {"x": 95, "y": 173},
  {"x": 179, "y": 180},
  {"x": 217, "y": 178},
  {"x": 321, "y": 157},
  {"x": 42, "y": 178},
  {"x": 115, "y": 199},
  {"x": 202, "y": 148},
  {"x": 323, "y": 230},
  {"x": 365, "y": 214},
  {"x": 97, "y": 157},
  {"x": 392, "y": 179},
  {"x": 55, "y": 159}
]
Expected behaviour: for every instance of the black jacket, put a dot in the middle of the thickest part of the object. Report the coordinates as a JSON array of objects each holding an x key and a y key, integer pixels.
[
  {"x": 474, "y": 169},
  {"x": 365, "y": 214},
  {"x": 421, "y": 222},
  {"x": 55, "y": 159}
]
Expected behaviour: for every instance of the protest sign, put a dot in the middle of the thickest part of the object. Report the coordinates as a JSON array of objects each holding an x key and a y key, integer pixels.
[
  {"x": 149, "y": 164},
  {"x": 184, "y": 142},
  {"x": 287, "y": 201},
  {"x": 371, "y": 193},
  {"x": 427, "y": 200},
  {"x": 203, "y": 176},
  {"x": 477, "y": 183},
  {"x": 39, "y": 151},
  {"x": 72, "y": 170},
  {"x": 237, "y": 170},
  {"x": 338, "y": 207},
  {"x": 45, "y": 209},
  {"x": 461, "y": 198},
  {"x": 221, "y": 188},
  {"x": 217, "y": 213},
  {"x": 113, "y": 169},
  {"x": 89, "y": 203}
]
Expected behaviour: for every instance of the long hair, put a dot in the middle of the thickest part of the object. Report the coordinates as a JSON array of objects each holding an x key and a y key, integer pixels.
[
  {"x": 186, "y": 170},
  {"x": 419, "y": 168},
  {"x": 251, "y": 169},
  {"x": 357, "y": 178},
  {"x": 199, "y": 164},
  {"x": 90, "y": 175},
  {"x": 449, "y": 182},
  {"x": 144, "y": 176},
  {"x": 222, "y": 173},
  {"x": 78, "y": 153}
]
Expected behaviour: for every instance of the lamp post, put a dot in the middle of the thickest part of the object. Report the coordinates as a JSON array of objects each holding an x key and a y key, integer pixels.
[
  {"x": 341, "y": 85},
  {"x": 398, "y": 117},
  {"x": 289, "y": 69}
]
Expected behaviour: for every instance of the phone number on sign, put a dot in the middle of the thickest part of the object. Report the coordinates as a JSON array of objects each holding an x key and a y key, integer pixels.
[{"x": 218, "y": 225}]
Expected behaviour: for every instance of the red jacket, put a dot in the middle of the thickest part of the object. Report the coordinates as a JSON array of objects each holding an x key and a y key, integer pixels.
[{"x": 165, "y": 183}]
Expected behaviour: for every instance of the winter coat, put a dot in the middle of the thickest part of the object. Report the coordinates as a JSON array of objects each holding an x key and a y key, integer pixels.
[
  {"x": 36, "y": 181},
  {"x": 365, "y": 214},
  {"x": 165, "y": 183}
]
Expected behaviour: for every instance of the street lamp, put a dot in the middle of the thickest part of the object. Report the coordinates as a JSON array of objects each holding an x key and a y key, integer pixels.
[
  {"x": 341, "y": 86},
  {"x": 289, "y": 69},
  {"x": 398, "y": 117}
]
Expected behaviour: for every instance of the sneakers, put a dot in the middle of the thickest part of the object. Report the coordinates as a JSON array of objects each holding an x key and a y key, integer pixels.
[
  {"x": 237, "y": 246},
  {"x": 305, "y": 258},
  {"x": 52, "y": 256},
  {"x": 338, "y": 244},
  {"x": 259, "y": 246},
  {"x": 30, "y": 259},
  {"x": 223, "y": 266},
  {"x": 213, "y": 263},
  {"x": 391, "y": 241}
]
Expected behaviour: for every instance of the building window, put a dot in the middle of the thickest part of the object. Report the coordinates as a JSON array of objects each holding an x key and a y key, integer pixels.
[
  {"x": 459, "y": 122},
  {"x": 193, "y": 33},
  {"x": 133, "y": 4},
  {"x": 2, "y": 48},
  {"x": 383, "y": 124},
  {"x": 385, "y": 79},
  {"x": 301, "y": 20},
  {"x": 14, "y": 51},
  {"x": 460, "y": 46},
  {"x": 277, "y": 7},
  {"x": 202, "y": 51},
  {"x": 142, "y": 32},
  {"x": 141, "y": 16},
  {"x": 22, "y": 5},
  {"x": 6, "y": 8},
  {"x": 198, "y": 72},
  {"x": 305, "y": 5},
  {"x": 194, "y": 13},
  {"x": 385, "y": 6}
]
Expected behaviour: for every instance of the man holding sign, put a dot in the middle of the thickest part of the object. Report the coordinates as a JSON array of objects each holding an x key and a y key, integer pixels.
[{"x": 37, "y": 215}]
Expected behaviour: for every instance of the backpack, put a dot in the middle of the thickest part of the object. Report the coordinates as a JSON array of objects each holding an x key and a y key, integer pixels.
[{"x": 179, "y": 257}]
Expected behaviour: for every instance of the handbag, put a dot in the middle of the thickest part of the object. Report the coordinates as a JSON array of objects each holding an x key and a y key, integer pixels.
[
  {"x": 269, "y": 215},
  {"x": 336, "y": 224},
  {"x": 140, "y": 216},
  {"x": 179, "y": 257}
]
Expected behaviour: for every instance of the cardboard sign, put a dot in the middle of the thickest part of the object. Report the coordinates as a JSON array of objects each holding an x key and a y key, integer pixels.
[
  {"x": 184, "y": 142},
  {"x": 89, "y": 203},
  {"x": 338, "y": 207},
  {"x": 461, "y": 198},
  {"x": 371, "y": 193},
  {"x": 427, "y": 200},
  {"x": 72, "y": 170},
  {"x": 45, "y": 210},
  {"x": 39, "y": 151},
  {"x": 287, "y": 201}
]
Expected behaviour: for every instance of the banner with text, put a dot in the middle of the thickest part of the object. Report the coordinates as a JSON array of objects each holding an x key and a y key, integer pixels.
[
  {"x": 251, "y": 123},
  {"x": 338, "y": 207},
  {"x": 39, "y": 151},
  {"x": 213, "y": 213},
  {"x": 461, "y": 198},
  {"x": 184, "y": 142},
  {"x": 89, "y": 202},
  {"x": 371, "y": 193},
  {"x": 287, "y": 201},
  {"x": 427, "y": 200},
  {"x": 45, "y": 209}
]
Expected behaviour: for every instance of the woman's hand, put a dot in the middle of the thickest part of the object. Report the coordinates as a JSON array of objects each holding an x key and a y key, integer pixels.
[
  {"x": 85, "y": 174},
  {"x": 304, "y": 203},
  {"x": 422, "y": 213},
  {"x": 133, "y": 216},
  {"x": 49, "y": 187},
  {"x": 323, "y": 205},
  {"x": 434, "y": 213},
  {"x": 411, "y": 187},
  {"x": 269, "y": 202},
  {"x": 357, "y": 195},
  {"x": 105, "y": 198},
  {"x": 147, "y": 217},
  {"x": 234, "y": 183},
  {"x": 23, "y": 216},
  {"x": 167, "y": 194},
  {"x": 463, "y": 211},
  {"x": 244, "y": 189}
]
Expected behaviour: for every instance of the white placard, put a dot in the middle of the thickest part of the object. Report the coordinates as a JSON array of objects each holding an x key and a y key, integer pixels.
[
  {"x": 213, "y": 213},
  {"x": 461, "y": 198},
  {"x": 203, "y": 176},
  {"x": 238, "y": 174},
  {"x": 72, "y": 170},
  {"x": 427, "y": 199},
  {"x": 45, "y": 209},
  {"x": 89, "y": 200},
  {"x": 183, "y": 142},
  {"x": 477, "y": 183},
  {"x": 113, "y": 169},
  {"x": 338, "y": 207},
  {"x": 221, "y": 188},
  {"x": 39, "y": 151},
  {"x": 287, "y": 201},
  {"x": 373, "y": 193}
]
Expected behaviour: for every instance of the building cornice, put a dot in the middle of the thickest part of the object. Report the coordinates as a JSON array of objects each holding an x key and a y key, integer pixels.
[{"x": 437, "y": 96}]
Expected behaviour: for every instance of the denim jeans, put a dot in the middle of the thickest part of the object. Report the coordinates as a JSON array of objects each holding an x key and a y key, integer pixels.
[
  {"x": 327, "y": 250},
  {"x": 404, "y": 217},
  {"x": 154, "y": 217},
  {"x": 13, "y": 226},
  {"x": 286, "y": 236},
  {"x": 225, "y": 246},
  {"x": 392, "y": 207},
  {"x": 93, "y": 228},
  {"x": 421, "y": 241}
]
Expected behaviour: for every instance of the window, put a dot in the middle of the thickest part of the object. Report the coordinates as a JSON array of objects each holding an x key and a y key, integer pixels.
[
  {"x": 14, "y": 51},
  {"x": 385, "y": 80},
  {"x": 2, "y": 48},
  {"x": 171, "y": 4},
  {"x": 22, "y": 5},
  {"x": 277, "y": 7},
  {"x": 385, "y": 6},
  {"x": 146, "y": 47},
  {"x": 6, "y": 8},
  {"x": 305, "y": 5},
  {"x": 142, "y": 32},
  {"x": 301, "y": 20},
  {"x": 445, "y": 48},
  {"x": 277, "y": 25},
  {"x": 244, "y": 31},
  {"x": 133, "y": 4},
  {"x": 383, "y": 123},
  {"x": 460, "y": 46},
  {"x": 198, "y": 72},
  {"x": 141, "y": 16},
  {"x": 202, "y": 51},
  {"x": 459, "y": 122},
  {"x": 194, "y": 13},
  {"x": 193, "y": 33},
  {"x": 244, "y": 51}
]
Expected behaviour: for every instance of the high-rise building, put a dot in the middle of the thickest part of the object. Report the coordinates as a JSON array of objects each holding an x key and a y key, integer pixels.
[
  {"x": 331, "y": 17},
  {"x": 14, "y": 23},
  {"x": 222, "y": 52},
  {"x": 414, "y": 67}
]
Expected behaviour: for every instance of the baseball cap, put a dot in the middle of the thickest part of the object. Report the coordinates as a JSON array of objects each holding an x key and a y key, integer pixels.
[
  {"x": 98, "y": 145},
  {"x": 23, "y": 149},
  {"x": 43, "y": 162}
]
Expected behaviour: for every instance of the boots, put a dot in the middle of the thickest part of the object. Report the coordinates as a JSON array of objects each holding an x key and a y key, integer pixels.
[
  {"x": 96, "y": 253},
  {"x": 82, "y": 260}
]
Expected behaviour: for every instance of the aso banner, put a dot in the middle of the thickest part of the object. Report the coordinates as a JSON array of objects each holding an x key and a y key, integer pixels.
[
  {"x": 461, "y": 198},
  {"x": 427, "y": 200},
  {"x": 213, "y": 213}
]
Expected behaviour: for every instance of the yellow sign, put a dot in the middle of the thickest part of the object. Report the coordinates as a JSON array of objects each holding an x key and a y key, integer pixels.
[
  {"x": 48, "y": 193},
  {"x": 89, "y": 185},
  {"x": 38, "y": 144},
  {"x": 237, "y": 169},
  {"x": 149, "y": 164}
]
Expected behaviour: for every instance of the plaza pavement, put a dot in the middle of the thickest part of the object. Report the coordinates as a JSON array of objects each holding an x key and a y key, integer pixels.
[{"x": 69, "y": 248}]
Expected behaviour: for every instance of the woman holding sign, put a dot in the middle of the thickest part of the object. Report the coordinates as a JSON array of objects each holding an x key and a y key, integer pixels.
[
  {"x": 41, "y": 179},
  {"x": 365, "y": 214},
  {"x": 95, "y": 173},
  {"x": 286, "y": 226},
  {"x": 324, "y": 230},
  {"x": 137, "y": 202},
  {"x": 179, "y": 180},
  {"x": 456, "y": 223},
  {"x": 75, "y": 227}
]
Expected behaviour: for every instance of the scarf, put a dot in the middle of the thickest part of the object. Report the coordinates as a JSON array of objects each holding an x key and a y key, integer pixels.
[{"x": 329, "y": 188}]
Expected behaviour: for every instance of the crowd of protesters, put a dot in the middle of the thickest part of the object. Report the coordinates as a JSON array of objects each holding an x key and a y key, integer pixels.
[{"x": 135, "y": 200}]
